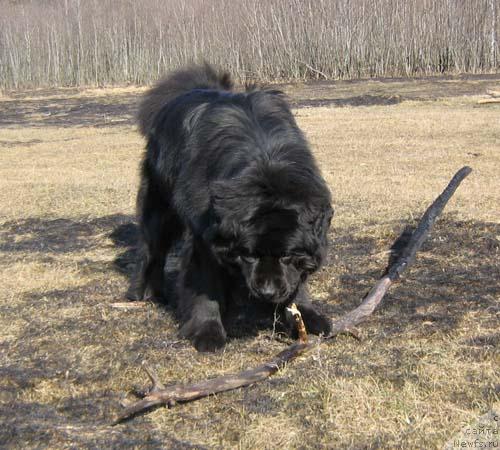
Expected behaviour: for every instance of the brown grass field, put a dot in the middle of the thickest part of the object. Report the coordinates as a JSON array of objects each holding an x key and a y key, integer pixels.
[{"x": 428, "y": 361}]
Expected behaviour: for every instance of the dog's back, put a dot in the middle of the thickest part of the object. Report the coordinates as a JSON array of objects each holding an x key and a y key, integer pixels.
[
  {"x": 176, "y": 84},
  {"x": 202, "y": 138}
]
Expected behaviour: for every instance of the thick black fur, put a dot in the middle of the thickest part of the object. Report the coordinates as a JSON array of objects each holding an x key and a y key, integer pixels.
[{"x": 232, "y": 175}]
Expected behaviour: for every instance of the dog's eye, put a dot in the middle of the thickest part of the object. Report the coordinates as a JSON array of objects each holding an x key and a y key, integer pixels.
[
  {"x": 231, "y": 256},
  {"x": 307, "y": 264},
  {"x": 286, "y": 260}
]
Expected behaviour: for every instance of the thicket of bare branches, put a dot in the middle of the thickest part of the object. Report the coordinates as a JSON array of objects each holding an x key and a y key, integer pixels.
[{"x": 88, "y": 42}]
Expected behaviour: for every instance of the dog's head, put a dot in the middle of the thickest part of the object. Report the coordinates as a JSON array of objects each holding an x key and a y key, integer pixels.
[{"x": 271, "y": 227}]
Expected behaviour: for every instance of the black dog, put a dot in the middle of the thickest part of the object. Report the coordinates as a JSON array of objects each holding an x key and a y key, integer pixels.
[{"x": 232, "y": 175}]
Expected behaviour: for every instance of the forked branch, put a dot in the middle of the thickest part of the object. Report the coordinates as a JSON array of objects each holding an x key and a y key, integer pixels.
[{"x": 160, "y": 395}]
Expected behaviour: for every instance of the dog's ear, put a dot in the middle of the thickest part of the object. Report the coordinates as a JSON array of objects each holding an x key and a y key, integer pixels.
[
  {"x": 320, "y": 225},
  {"x": 221, "y": 208},
  {"x": 224, "y": 206},
  {"x": 231, "y": 199}
]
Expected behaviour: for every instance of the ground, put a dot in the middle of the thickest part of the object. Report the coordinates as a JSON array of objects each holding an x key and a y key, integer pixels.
[{"x": 427, "y": 363}]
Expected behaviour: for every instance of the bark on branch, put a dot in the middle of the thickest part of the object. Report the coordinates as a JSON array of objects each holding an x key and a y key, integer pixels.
[{"x": 160, "y": 395}]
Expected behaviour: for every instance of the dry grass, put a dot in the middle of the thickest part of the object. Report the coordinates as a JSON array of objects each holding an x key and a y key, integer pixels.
[{"x": 428, "y": 362}]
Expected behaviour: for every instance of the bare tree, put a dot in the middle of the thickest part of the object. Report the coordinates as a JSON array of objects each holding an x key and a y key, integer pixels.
[{"x": 74, "y": 42}]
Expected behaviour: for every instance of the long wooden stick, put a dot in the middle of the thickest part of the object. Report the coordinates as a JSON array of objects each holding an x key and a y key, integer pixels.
[{"x": 160, "y": 395}]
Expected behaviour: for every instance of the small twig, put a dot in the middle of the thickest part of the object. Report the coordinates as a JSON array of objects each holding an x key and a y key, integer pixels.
[
  {"x": 382, "y": 254},
  {"x": 312, "y": 69},
  {"x": 129, "y": 305},
  {"x": 493, "y": 93},
  {"x": 485, "y": 101},
  {"x": 495, "y": 98},
  {"x": 275, "y": 321},
  {"x": 156, "y": 383},
  {"x": 159, "y": 395},
  {"x": 355, "y": 334}
]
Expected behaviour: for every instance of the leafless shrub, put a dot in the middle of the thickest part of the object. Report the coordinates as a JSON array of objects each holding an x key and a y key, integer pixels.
[{"x": 90, "y": 42}]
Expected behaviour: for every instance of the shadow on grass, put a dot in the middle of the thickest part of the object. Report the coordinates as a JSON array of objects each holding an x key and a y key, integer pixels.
[
  {"x": 56, "y": 236},
  {"x": 457, "y": 269},
  {"x": 455, "y": 272},
  {"x": 70, "y": 359},
  {"x": 242, "y": 321},
  {"x": 43, "y": 426}
]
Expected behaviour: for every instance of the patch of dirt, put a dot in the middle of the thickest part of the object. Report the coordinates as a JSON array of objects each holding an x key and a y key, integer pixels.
[
  {"x": 64, "y": 112},
  {"x": 119, "y": 109},
  {"x": 359, "y": 100},
  {"x": 12, "y": 144},
  {"x": 416, "y": 89}
]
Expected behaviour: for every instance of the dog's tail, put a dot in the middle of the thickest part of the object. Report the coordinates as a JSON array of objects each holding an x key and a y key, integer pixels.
[{"x": 177, "y": 83}]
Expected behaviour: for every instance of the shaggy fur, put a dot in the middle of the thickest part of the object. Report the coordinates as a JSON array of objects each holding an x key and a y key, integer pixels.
[{"x": 232, "y": 175}]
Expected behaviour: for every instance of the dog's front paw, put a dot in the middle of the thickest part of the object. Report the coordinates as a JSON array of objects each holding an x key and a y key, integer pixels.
[
  {"x": 207, "y": 336},
  {"x": 210, "y": 337},
  {"x": 315, "y": 322},
  {"x": 134, "y": 293}
]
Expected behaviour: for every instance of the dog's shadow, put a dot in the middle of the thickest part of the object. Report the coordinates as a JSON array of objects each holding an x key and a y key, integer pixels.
[{"x": 240, "y": 321}]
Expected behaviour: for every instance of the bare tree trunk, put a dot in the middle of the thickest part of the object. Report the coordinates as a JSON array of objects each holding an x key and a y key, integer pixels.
[{"x": 493, "y": 42}]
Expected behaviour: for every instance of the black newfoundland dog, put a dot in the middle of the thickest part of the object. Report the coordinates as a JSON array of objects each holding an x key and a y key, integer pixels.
[{"x": 232, "y": 175}]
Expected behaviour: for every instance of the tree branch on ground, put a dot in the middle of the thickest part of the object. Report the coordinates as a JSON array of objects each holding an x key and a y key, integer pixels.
[{"x": 171, "y": 395}]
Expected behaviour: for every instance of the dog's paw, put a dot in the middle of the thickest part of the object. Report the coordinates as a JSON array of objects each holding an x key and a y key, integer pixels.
[
  {"x": 316, "y": 323},
  {"x": 134, "y": 293},
  {"x": 208, "y": 336}
]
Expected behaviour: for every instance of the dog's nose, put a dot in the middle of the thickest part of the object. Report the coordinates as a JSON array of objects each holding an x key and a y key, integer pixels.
[{"x": 268, "y": 291}]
